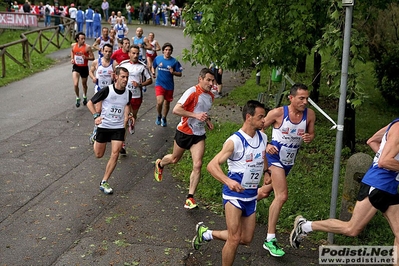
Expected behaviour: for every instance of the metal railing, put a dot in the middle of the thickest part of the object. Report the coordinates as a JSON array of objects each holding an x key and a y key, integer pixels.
[{"x": 60, "y": 34}]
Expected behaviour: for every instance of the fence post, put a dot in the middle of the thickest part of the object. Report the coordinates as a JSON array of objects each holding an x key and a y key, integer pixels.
[{"x": 3, "y": 63}]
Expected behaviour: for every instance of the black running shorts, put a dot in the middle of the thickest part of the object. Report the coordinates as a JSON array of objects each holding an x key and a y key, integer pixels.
[
  {"x": 380, "y": 199},
  {"x": 107, "y": 134},
  {"x": 186, "y": 141}
]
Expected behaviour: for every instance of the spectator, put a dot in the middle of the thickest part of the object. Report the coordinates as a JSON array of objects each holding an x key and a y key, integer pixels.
[
  {"x": 89, "y": 22},
  {"x": 105, "y": 7},
  {"x": 129, "y": 13},
  {"x": 80, "y": 19},
  {"x": 26, "y": 7},
  {"x": 15, "y": 7},
  {"x": 154, "y": 11},
  {"x": 147, "y": 13},
  {"x": 141, "y": 13},
  {"x": 47, "y": 11},
  {"x": 97, "y": 24}
]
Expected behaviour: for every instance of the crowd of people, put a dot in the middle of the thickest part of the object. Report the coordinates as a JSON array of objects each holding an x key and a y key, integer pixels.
[
  {"x": 146, "y": 13},
  {"x": 257, "y": 167},
  {"x": 161, "y": 14}
]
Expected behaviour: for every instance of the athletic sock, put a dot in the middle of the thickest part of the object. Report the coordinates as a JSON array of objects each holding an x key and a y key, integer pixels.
[
  {"x": 270, "y": 237},
  {"x": 207, "y": 235},
  {"x": 190, "y": 196},
  {"x": 307, "y": 227}
]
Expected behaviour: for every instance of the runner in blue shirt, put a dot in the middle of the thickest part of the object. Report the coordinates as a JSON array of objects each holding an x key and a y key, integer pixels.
[{"x": 167, "y": 67}]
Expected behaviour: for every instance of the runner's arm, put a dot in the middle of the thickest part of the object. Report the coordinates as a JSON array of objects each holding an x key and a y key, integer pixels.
[
  {"x": 180, "y": 111},
  {"x": 92, "y": 72},
  {"x": 214, "y": 167},
  {"x": 90, "y": 52},
  {"x": 375, "y": 141},
  {"x": 96, "y": 44},
  {"x": 390, "y": 153},
  {"x": 310, "y": 133}
]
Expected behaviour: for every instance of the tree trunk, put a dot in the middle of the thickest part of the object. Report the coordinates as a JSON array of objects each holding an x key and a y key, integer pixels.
[
  {"x": 314, "y": 95},
  {"x": 301, "y": 65},
  {"x": 349, "y": 138}
]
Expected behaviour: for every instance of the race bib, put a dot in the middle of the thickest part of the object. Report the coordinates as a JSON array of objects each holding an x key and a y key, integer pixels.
[
  {"x": 287, "y": 155},
  {"x": 198, "y": 125},
  {"x": 79, "y": 60},
  {"x": 104, "y": 83},
  {"x": 135, "y": 90},
  {"x": 252, "y": 176},
  {"x": 115, "y": 112}
]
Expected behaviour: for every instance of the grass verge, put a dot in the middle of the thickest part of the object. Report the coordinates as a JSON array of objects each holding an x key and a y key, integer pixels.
[
  {"x": 39, "y": 62},
  {"x": 309, "y": 182}
]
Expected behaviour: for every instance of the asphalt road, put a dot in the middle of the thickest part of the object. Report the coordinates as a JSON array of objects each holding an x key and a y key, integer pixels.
[{"x": 52, "y": 210}]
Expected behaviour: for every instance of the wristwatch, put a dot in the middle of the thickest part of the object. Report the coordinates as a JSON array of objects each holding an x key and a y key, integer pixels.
[
  {"x": 267, "y": 171},
  {"x": 96, "y": 115}
]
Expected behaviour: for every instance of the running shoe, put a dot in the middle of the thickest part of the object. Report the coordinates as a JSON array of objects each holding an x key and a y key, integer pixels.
[
  {"x": 123, "y": 150},
  {"x": 297, "y": 234},
  {"x": 84, "y": 100},
  {"x": 106, "y": 188},
  {"x": 273, "y": 248},
  {"x": 92, "y": 137},
  {"x": 190, "y": 204},
  {"x": 158, "y": 121},
  {"x": 158, "y": 171},
  {"x": 163, "y": 122},
  {"x": 77, "y": 102},
  {"x": 197, "y": 241}
]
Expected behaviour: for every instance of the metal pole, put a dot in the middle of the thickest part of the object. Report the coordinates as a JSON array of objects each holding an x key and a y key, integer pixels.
[{"x": 341, "y": 114}]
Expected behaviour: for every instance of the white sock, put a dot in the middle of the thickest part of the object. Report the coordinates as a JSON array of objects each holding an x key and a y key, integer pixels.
[
  {"x": 207, "y": 235},
  {"x": 307, "y": 227},
  {"x": 270, "y": 237}
]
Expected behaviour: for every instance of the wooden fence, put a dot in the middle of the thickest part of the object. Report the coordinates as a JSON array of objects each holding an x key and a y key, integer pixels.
[{"x": 39, "y": 44}]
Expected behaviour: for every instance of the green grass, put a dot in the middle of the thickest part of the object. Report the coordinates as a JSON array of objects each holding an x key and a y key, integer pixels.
[
  {"x": 310, "y": 180},
  {"x": 39, "y": 62}
]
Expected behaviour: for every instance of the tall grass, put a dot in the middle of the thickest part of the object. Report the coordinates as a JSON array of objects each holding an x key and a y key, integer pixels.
[{"x": 310, "y": 181}]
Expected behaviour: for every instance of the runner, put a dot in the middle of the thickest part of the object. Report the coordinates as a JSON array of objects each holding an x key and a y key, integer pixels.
[
  {"x": 115, "y": 112},
  {"x": 81, "y": 53},
  {"x": 139, "y": 76}
]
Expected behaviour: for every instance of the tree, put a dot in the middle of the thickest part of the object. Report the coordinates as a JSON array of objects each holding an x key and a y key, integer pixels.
[
  {"x": 236, "y": 32},
  {"x": 382, "y": 29}
]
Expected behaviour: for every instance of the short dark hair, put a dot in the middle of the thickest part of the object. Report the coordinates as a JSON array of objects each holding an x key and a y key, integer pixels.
[
  {"x": 249, "y": 108},
  {"x": 167, "y": 44},
  {"x": 297, "y": 86},
  {"x": 78, "y": 34},
  {"x": 119, "y": 69},
  {"x": 205, "y": 71},
  {"x": 107, "y": 45},
  {"x": 135, "y": 46}
]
